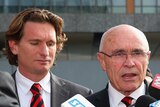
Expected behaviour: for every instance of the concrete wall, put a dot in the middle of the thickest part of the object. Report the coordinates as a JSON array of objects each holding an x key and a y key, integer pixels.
[{"x": 98, "y": 22}]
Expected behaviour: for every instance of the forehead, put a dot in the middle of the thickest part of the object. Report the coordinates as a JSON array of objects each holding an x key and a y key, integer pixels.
[
  {"x": 36, "y": 29},
  {"x": 37, "y": 26},
  {"x": 125, "y": 38}
]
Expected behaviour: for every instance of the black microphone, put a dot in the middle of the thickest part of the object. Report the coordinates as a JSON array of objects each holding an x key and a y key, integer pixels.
[
  {"x": 154, "y": 87},
  {"x": 144, "y": 101}
]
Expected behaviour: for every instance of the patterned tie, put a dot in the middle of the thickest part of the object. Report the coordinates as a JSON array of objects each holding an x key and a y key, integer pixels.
[
  {"x": 37, "y": 100},
  {"x": 127, "y": 101}
]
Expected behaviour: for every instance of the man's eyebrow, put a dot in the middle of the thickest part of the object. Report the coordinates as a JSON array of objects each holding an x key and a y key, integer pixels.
[
  {"x": 118, "y": 50},
  {"x": 138, "y": 50},
  {"x": 38, "y": 40},
  {"x": 34, "y": 40}
]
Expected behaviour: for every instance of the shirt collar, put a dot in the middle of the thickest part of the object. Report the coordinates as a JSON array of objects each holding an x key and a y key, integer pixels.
[
  {"x": 25, "y": 84},
  {"x": 115, "y": 97},
  {"x": 45, "y": 83},
  {"x": 140, "y": 91}
]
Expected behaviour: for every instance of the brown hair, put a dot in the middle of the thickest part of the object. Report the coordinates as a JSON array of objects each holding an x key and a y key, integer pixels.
[{"x": 15, "y": 30}]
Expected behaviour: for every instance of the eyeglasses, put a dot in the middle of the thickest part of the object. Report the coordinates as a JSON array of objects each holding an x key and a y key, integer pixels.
[{"x": 138, "y": 55}]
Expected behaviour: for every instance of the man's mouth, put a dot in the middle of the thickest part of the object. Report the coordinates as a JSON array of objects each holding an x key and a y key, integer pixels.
[{"x": 129, "y": 76}]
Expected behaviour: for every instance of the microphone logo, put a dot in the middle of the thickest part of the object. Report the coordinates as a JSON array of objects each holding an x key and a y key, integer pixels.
[
  {"x": 156, "y": 81},
  {"x": 155, "y": 104},
  {"x": 76, "y": 103}
]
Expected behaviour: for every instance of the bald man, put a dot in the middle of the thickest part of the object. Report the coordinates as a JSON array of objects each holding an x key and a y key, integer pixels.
[
  {"x": 8, "y": 97},
  {"x": 124, "y": 57}
]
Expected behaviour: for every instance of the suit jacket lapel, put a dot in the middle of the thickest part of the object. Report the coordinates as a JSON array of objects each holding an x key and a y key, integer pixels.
[
  {"x": 104, "y": 98},
  {"x": 14, "y": 77},
  {"x": 58, "y": 93},
  {"x": 147, "y": 85}
]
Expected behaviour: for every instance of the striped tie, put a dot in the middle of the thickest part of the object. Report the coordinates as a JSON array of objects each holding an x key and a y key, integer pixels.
[
  {"x": 37, "y": 100},
  {"x": 127, "y": 101}
]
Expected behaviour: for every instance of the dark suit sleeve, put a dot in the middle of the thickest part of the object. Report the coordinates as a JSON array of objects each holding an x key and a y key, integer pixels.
[{"x": 8, "y": 97}]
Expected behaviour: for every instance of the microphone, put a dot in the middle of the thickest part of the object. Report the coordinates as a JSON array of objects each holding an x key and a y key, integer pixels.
[
  {"x": 144, "y": 101},
  {"x": 77, "y": 101},
  {"x": 155, "y": 104},
  {"x": 154, "y": 87}
]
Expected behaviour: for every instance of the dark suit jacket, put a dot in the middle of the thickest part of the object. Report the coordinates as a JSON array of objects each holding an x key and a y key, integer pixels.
[
  {"x": 101, "y": 98},
  {"x": 8, "y": 97},
  {"x": 62, "y": 90}
]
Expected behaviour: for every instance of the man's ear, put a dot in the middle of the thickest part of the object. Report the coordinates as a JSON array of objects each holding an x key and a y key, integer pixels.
[
  {"x": 149, "y": 55},
  {"x": 101, "y": 60},
  {"x": 13, "y": 46}
]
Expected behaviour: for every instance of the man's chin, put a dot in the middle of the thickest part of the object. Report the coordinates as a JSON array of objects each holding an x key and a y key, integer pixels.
[{"x": 42, "y": 70}]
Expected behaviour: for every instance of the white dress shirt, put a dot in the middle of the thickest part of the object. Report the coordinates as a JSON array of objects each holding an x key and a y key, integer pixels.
[
  {"x": 23, "y": 89},
  {"x": 115, "y": 97}
]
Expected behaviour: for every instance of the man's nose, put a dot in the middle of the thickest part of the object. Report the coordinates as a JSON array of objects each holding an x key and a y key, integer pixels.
[
  {"x": 130, "y": 61},
  {"x": 44, "y": 50}
]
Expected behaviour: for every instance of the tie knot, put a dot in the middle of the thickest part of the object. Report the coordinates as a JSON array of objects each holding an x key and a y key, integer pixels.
[
  {"x": 36, "y": 88},
  {"x": 127, "y": 100}
]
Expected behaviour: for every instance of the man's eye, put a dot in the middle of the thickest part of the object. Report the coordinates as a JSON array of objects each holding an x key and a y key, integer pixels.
[
  {"x": 50, "y": 44},
  {"x": 34, "y": 43},
  {"x": 119, "y": 54},
  {"x": 137, "y": 53}
]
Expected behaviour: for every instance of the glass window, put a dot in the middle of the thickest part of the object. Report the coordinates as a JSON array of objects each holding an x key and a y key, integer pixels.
[
  {"x": 149, "y": 10},
  {"x": 119, "y": 2},
  {"x": 145, "y": 6},
  {"x": 42, "y": 3},
  {"x": 119, "y": 6},
  {"x": 103, "y": 2},
  {"x": 1, "y": 6},
  {"x": 73, "y": 6},
  {"x": 11, "y": 2},
  {"x": 158, "y": 2},
  {"x": 149, "y": 2},
  {"x": 138, "y": 6},
  {"x": 59, "y": 2},
  {"x": 138, "y": 10},
  {"x": 11, "y": 6},
  {"x": 138, "y": 2},
  {"x": 88, "y": 2},
  {"x": 1, "y": 2},
  {"x": 119, "y": 9},
  {"x": 149, "y": 6},
  {"x": 104, "y": 6},
  {"x": 59, "y": 6},
  {"x": 27, "y": 2},
  {"x": 73, "y": 2}
]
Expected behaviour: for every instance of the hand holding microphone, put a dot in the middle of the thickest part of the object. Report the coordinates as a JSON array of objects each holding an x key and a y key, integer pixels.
[{"x": 77, "y": 101}]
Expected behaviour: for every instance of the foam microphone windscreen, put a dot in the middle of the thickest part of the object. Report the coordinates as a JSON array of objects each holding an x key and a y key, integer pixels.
[
  {"x": 154, "y": 87},
  {"x": 144, "y": 101}
]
